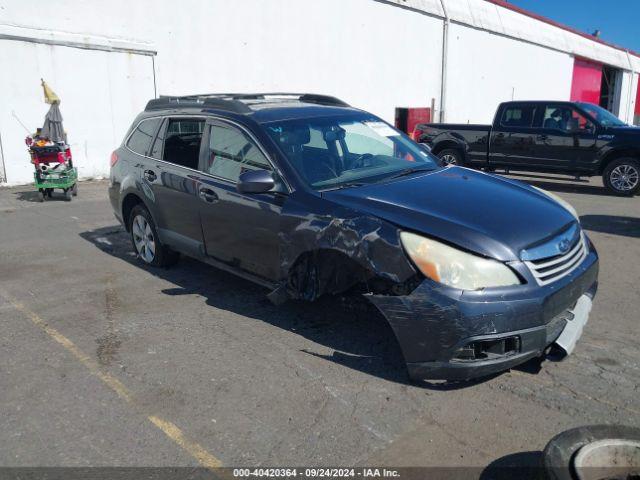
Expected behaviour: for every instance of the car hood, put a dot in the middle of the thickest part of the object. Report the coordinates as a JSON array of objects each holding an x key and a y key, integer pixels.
[
  {"x": 487, "y": 214},
  {"x": 626, "y": 130}
]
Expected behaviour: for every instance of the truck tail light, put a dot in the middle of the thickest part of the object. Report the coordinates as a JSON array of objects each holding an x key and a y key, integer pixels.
[{"x": 114, "y": 159}]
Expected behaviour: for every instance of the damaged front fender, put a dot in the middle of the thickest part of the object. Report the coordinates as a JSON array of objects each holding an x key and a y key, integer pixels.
[{"x": 332, "y": 251}]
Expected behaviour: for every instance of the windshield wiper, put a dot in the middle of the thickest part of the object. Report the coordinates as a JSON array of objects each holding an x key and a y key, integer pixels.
[
  {"x": 343, "y": 185},
  {"x": 408, "y": 171}
]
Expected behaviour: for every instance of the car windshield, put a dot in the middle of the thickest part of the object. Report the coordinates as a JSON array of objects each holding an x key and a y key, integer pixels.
[
  {"x": 602, "y": 116},
  {"x": 337, "y": 152}
]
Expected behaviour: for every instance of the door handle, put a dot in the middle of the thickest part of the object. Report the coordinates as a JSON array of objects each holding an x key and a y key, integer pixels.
[
  {"x": 207, "y": 195},
  {"x": 150, "y": 175},
  {"x": 542, "y": 138}
]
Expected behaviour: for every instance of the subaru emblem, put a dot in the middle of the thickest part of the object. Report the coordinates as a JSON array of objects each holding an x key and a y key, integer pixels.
[{"x": 563, "y": 246}]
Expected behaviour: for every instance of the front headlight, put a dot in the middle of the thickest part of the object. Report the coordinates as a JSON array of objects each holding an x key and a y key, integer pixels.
[
  {"x": 563, "y": 203},
  {"x": 456, "y": 268}
]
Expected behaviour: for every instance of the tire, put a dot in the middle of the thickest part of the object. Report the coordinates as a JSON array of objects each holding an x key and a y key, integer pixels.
[
  {"x": 450, "y": 156},
  {"x": 146, "y": 243},
  {"x": 622, "y": 177},
  {"x": 40, "y": 196},
  {"x": 558, "y": 455},
  {"x": 67, "y": 195},
  {"x": 74, "y": 190}
]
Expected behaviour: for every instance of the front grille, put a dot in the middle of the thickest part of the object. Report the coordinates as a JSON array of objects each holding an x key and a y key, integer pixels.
[{"x": 549, "y": 269}]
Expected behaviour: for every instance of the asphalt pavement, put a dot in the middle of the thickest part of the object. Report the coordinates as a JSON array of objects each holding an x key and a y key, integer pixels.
[{"x": 104, "y": 362}]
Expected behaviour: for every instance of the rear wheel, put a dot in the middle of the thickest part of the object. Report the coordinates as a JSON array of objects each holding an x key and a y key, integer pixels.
[
  {"x": 74, "y": 190},
  {"x": 450, "y": 156},
  {"x": 67, "y": 194},
  {"x": 146, "y": 243},
  {"x": 622, "y": 176}
]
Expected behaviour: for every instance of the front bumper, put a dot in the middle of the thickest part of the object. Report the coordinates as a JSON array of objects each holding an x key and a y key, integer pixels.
[{"x": 438, "y": 327}]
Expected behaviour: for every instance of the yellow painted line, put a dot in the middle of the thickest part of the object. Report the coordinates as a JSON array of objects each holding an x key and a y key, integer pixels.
[{"x": 168, "y": 428}]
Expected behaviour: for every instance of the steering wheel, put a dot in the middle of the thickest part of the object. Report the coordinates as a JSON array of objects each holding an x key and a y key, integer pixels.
[{"x": 359, "y": 162}]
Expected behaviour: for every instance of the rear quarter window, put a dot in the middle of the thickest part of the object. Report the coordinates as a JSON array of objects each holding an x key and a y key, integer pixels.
[{"x": 140, "y": 140}]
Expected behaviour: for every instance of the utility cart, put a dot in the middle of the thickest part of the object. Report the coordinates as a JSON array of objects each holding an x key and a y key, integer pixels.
[{"x": 53, "y": 169}]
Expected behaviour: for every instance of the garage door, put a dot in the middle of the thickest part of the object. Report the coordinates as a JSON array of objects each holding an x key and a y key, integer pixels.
[{"x": 587, "y": 80}]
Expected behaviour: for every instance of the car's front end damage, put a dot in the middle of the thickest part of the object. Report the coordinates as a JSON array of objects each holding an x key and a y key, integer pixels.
[
  {"x": 475, "y": 273},
  {"x": 452, "y": 334}
]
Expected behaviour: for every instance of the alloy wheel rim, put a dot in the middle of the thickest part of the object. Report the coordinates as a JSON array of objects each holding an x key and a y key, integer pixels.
[
  {"x": 624, "y": 177},
  {"x": 448, "y": 159},
  {"x": 143, "y": 239}
]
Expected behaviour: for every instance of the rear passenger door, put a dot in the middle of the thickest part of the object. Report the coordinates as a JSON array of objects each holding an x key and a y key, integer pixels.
[
  {"x": 239, "y": 229},
  {"x": 171, "y": 178},
  {"x": 513, "y": 135}
]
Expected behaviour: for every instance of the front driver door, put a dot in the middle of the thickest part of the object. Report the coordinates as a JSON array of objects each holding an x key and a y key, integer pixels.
[
  {"x": 239, "y": 229},
  {"x": 566, "y": 141}
]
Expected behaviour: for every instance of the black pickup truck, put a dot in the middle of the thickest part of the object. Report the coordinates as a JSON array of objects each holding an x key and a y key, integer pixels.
[{"x": 573, "y": 138}]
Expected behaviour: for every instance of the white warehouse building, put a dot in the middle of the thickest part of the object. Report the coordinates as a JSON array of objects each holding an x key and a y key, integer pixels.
[{"x": 105, "y": 60}]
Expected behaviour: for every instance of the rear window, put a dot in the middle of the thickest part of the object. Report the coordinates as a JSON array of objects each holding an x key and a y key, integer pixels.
[
  {"x": 140, "y": 140},
  {"x": 518, "y": 116}
]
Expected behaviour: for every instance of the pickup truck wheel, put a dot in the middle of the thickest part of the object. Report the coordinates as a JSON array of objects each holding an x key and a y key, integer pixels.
[
  {"x": 622, "y": 176},
  {"x": 449, "y": 156}
]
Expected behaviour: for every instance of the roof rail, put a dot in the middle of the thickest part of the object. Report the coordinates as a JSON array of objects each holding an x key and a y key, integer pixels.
[
  {"x": 231, "y": 105},
  {"x": 235, "y": 102}
]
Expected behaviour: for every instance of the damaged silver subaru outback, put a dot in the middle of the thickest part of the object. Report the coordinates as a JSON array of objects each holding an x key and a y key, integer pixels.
[{"x": 307, "y": 196}]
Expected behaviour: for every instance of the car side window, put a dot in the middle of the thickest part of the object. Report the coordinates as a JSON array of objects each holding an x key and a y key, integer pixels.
[
  {"x": 182, "y": 141},
  {"x": 140, "y": 140},
  {"x": 231, "y": 153},
  {"x": 158, "y": 143},
  {"x": 565, "y": 118},
  {"x": 518, "y": 116}
]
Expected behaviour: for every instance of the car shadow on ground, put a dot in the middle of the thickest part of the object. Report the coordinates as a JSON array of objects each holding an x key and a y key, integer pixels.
[
  {"x": 613, "y": 224},
  {"x": 522, "y": 465},
  {"x": 32, "y": 196},
  {"x": 360, "y": 337}
]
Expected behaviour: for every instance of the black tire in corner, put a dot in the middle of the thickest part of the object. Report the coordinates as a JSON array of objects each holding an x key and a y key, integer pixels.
[
  {"x": 74, "y": 190},
  {"x": 450, "y": 156},
  {"x": 146, "y": 243},
  {"x": 622, "y": 176},
  {"x": 67, "y": 194},
  {"x": 40, "y": 196}
]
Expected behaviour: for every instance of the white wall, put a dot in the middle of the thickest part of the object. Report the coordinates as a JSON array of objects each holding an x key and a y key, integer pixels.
[
  {"x": 87, "y": 81},
  {"x": 626, "y": 100},
  {"x": 485, "y": 69},
  {"x": 371, "y": 54}
]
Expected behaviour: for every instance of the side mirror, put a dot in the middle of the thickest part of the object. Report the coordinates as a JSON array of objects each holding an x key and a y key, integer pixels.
[{"x": 255, "y": 181}]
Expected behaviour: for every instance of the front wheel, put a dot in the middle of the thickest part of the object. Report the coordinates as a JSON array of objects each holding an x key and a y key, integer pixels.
[
  {"x": 450, "y": 156},
  {"x": 622, "y": 177},
  {"x": 146, "y": 243}
]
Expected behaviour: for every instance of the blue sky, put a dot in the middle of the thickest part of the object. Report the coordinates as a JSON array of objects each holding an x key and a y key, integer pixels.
[{"x": 617, "y": 20}]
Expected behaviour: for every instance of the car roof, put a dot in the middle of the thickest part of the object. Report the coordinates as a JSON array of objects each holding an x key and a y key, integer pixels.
[
  {"x": 261, "y": 107},
  {"x": 538, "y": 102}
]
